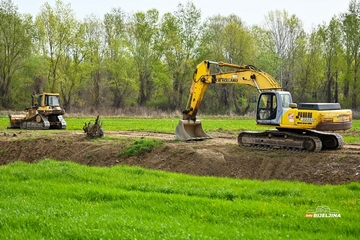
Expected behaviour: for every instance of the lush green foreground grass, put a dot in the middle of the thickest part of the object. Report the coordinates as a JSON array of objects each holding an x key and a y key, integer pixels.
[{"x": 63, "y": 200}]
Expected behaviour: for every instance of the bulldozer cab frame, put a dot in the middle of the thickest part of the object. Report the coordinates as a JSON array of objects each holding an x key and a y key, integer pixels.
[{"x": 48, "y": 99}]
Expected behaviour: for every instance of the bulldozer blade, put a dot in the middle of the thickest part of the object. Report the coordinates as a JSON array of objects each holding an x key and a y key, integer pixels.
[{"x": 190, "y": 131}]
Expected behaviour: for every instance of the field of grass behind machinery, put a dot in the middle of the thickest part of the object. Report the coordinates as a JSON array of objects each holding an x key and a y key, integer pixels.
[{"x": 210, "y": 124}]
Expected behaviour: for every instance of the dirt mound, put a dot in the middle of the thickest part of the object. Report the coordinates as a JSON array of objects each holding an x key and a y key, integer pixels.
[{"x": 220, "y": 156}]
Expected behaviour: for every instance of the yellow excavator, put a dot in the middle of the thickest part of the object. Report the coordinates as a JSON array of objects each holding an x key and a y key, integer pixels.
[
  {"x": 304, "y": 126},
  {"x": 45, "y": 113}
]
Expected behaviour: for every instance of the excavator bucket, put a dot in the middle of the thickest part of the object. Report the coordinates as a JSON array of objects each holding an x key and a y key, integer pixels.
[{"x": 190, "y": 131}]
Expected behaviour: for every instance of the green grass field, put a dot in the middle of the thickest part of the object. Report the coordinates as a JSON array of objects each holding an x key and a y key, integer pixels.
[
  {"x": 164, "y": 125},
  {"x": 64, "y": 200},
  {"x": 167, "y": 125}
]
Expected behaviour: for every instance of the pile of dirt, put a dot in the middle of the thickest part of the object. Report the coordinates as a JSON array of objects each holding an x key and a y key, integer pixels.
[{"x": 220, "y": 156}]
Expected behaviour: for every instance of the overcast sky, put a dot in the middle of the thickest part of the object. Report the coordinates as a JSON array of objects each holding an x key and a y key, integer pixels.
[{"x": 310, "y": 12}]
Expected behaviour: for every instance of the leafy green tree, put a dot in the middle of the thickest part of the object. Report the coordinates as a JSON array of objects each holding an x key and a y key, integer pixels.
[
  {"x": 15, "y": 47},
  {"x": 143, "y": 42},
  {"x": 94, "y": 54},
  {"x": 30, "y": 79},
  {"x": 228, "y": 39},
  {"x": 309, "y": 82},
  {"x": 238, "y": 48},
  {"x": 351, "y": 40},
  {"x": 284, "y": 32},
  {"x": 180, "y": 34},
  {"x": 332, "y": 54},
  {"x": 265, "y": 56},
  {"x": 120, "y": 69},
  {"x": 59, "y": 37},
  {"x": 72, "y": 68}
]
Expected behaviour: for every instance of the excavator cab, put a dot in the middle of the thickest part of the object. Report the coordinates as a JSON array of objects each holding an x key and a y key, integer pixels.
[{"x": 271, "y": 105}]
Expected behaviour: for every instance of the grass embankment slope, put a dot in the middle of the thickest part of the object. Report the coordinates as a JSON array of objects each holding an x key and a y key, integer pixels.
[{"x": 64, "y": 200}]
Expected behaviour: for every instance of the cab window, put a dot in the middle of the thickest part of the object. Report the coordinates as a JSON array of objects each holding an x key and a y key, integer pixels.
[
  {"x": 286, "y": 100},
  {"x": 52, "y": 101},
  {"x": 267, "y": 106}
]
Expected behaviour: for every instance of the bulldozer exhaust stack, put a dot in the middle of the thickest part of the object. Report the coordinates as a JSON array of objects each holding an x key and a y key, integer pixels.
[{"x": 188, "y": 130}]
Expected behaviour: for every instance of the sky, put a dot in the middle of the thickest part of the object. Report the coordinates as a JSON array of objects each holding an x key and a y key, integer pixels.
[{"x": 310, "y": 12}]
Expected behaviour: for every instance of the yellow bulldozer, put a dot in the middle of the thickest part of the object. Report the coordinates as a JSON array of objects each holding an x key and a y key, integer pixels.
[
  {"x": 45, "y": 113},
  {"x": 303, "y": 126}
]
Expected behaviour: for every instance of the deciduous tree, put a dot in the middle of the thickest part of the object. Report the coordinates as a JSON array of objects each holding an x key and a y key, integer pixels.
[
  {"x": 351, "y": 38},
  {"x": 15, "y": 46},
  {"x": 143, "y": 39},
  {"x": 180, "y": 33},
  {"x": 57, "y": 32}
]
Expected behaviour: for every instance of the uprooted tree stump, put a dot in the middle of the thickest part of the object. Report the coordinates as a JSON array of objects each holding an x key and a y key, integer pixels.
[{"x": 94, "y": 130}]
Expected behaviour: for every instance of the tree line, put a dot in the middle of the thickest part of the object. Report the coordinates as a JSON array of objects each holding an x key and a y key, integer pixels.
[{"x": 144, "y": 60}]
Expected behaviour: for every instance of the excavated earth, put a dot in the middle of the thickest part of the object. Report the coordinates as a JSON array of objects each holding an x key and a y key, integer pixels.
[{"x": 220, "y": 156}]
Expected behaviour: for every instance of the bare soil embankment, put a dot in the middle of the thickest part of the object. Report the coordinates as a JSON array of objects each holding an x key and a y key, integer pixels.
[{"x": 220, "y": 156}]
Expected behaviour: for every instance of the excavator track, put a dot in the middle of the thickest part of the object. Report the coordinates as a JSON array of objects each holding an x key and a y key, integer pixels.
[
  {"x": 274, "y": 139},
  {"x": 330, "y": 141},
  {"x": 309, "y": 140}
]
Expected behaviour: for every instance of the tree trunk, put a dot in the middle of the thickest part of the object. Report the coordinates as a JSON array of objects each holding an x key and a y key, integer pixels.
[{"x": 97, "y": 80}]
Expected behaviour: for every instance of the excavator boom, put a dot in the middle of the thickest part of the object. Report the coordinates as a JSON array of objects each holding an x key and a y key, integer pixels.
[
  {"x": 203, "y": 76},
  {"x": 209, "y": 72}
]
